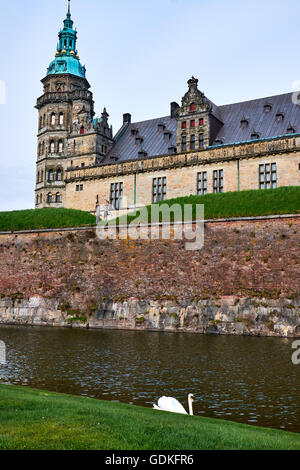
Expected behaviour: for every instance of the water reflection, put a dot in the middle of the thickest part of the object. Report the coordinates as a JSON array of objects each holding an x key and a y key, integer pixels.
[{"x": 250, "y": 380}]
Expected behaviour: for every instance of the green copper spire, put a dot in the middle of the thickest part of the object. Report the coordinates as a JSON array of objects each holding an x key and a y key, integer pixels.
[{"x": 67, "y": 58}]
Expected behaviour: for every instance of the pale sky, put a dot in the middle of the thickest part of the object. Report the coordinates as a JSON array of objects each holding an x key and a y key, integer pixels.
[{"x": 139, "y": 55}]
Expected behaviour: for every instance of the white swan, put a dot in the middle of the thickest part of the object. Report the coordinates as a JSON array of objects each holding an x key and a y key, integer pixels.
[{"x": 173, "y": 405}]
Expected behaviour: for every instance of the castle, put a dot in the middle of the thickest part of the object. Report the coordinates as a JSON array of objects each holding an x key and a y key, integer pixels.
[{"x": 199, "y": 148}]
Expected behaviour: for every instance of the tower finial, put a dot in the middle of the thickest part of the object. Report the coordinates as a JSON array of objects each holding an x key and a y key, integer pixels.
[{"x": 69, "y": 7}]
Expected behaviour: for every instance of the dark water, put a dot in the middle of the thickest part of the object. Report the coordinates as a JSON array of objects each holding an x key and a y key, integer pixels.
[{"x": 248, "y": 380}]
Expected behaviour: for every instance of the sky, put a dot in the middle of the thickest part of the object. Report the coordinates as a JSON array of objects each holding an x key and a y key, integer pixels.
[{"x": 139, "y": 55}]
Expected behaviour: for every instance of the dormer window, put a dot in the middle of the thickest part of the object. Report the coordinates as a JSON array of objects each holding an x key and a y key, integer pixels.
[
  {"x": 183, "y": 125},
  {"x": 168, "y": 135},
  {"x": 291, "y": 130},
  {"x": 193, "y": 107},
  {"x": 161, "y": 127},
  {"x": 254, "y": 136},
  {"x": 219, "y": 142},
  {"x": 267, "y": 108},
  {"x": 134, "y": 131},
  {"x": 172, "y": 149},
  {"x": 139, "y": 140},
  {"x": 142, "y": 154},
  {"x": 244, "y": 123},
  {"x": 279, "y": 117}
]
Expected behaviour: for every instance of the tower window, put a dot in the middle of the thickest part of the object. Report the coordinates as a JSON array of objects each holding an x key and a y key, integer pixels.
[
  {"x": 193, "y": 107},
  {"x": 52, "y": 146},
  {"x": 50, "y": 175},
  {"x": 53, "y": 119},
  {"x": 159, "y": 189},
  {"x": 201, "y": 141},
  {"x": 116, "y": 195},
  {"x": 193, "y": 142},
  {"x": 218, "y": 179},
  {"x": 268, "y": 176},
  {"x": 61, "y": 119},
  {"x": 202, "y": 183},
  {"x": 60, "y": 146},
  {"x": 183, "y": 144},
  {"x": 59, "y": 175}
]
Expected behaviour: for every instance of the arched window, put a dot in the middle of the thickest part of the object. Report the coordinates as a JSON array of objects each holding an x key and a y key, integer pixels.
[
  {"x": 41, "y": 199},
  {"x": 52, "y": 146},
  {"x": 82, "y": 130},
  {"x": 43, "y": 147},
  {"x": 50, "y": 175},
  {"x": 58, "y": 197},
  {"x": 53, "y": 119},
  {"x": 61, "y": 119},
  {"x": 60, "y": 146},
  {"x": 37, "y": 199},
  {"x": 40, "y": 149},
  {"x": 41, "y": 122},
  {"x": 49, "y": 198},
  {"x": 74, "y": 147},
  {"x": 38, "y": 177},
  {"x": 42, "y": 176},
  {"x": 44, "y": 120},
  {"x": 59, "y": 175}
]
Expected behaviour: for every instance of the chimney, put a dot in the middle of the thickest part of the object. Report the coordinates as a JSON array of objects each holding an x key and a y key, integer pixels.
[
  {"x": 174, "y": 107},
  {"x": 126, "y": 118}
]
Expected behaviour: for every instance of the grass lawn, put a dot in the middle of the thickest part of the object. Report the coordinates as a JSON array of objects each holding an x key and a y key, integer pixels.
[
  {"x": 239, "y": 204},
  {"x": 33, "y": 419},
  {"x": 44, "y": 218}
]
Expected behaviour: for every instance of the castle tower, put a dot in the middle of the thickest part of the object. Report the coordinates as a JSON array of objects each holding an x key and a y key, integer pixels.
[{"x": 68, "y": 134}]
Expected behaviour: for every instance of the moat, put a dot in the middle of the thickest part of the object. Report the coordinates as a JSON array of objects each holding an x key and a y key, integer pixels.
[{"x": 242, "y": 379}]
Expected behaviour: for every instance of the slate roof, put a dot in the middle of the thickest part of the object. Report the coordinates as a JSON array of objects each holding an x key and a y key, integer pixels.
[{"x": 155, "y": 142}]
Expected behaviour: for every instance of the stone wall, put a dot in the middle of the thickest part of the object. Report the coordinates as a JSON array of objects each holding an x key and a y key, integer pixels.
[{"x": 244, "y": 281}]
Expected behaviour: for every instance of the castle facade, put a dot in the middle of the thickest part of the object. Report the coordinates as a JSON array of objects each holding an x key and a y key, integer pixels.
[{"x": 199, "y": 148}]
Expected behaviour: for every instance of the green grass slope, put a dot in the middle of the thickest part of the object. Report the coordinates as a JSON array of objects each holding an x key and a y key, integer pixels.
[
  {"x": 33, "y": 419},
  {"x": 240, "y": 204},
  {"x": 44, "y": 218}
]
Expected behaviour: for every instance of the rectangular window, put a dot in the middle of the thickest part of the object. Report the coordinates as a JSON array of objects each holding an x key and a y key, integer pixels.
[
  {"x": 116, "y": 195},
  {"x": 183, "y": 145},
  {"x": 183, "y": 125},
  {"x": 218, "y": 181},
  {"x": 193, "y": 142},
  {"x": 159, "y": 189},
  {"x": 268, "y": 176},
  {"x": 202, "y": 183},
  {"x": 193, "y": 123},
  {"x": 201, "y": 122},
  {"x": 201, "y": 141}
]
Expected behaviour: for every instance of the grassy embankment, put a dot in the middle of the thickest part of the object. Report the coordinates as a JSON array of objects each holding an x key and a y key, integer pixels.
[
  {"x": 44, "y": 218},
  {"x": 33, "y": 419},
  {"x": 238, "y": 204}
]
